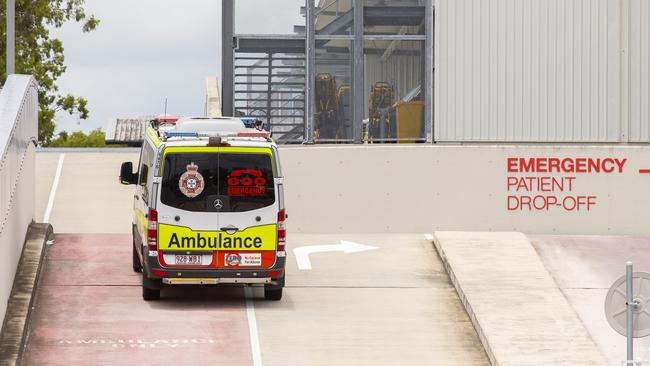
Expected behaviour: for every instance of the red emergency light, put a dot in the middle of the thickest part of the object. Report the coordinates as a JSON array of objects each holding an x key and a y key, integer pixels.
[
  {"x": 166, "y": 119},
  {"x": 254, "y": 134}
]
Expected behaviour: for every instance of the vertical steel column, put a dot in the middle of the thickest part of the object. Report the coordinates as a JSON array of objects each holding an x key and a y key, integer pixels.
[
  {"x": 629, "y": 295},
  {"x": 310, "y": 71},
  {"x": 269, "y": 88},
  {"x": 358, "y": 104},
  {"x": 11, "y": 37},
  {"x": 428, "y": 67},
  {"x": 227, "y": 54}
]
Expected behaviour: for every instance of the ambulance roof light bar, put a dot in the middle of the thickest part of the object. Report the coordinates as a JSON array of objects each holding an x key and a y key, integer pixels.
[
  {"x": 262, "y": 134},
  {"x": 180, "y": 134}
]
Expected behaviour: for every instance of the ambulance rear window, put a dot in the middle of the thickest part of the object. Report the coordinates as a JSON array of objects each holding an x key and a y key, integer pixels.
[{"x": 223, "y": 182}]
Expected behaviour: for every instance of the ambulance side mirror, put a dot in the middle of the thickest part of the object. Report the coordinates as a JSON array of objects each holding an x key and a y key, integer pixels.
[{"x": 126, "y": 174}]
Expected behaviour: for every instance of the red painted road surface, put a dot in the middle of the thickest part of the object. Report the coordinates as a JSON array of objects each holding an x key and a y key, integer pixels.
[{"x": 89, "y": 311}]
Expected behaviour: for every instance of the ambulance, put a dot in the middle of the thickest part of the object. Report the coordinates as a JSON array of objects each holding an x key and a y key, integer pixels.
[{"x": 208, "y": 206}]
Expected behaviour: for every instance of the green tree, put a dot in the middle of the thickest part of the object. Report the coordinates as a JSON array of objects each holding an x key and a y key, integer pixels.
[
  {"x": 96, "y": 138},
  {"x": 42, "y": 56}
]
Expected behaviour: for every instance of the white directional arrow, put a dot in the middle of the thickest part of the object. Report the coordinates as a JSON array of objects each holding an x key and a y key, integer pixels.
[{"x": 302, "y": 253}]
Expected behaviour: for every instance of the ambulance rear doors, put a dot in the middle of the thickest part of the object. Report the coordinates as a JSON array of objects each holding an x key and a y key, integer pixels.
[{"x": 218, "y": 208}]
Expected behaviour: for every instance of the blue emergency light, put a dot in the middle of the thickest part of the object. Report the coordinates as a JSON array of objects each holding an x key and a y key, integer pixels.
[
  {"x": 249, "y": 121},
  {"x": 181, "y": 134}
]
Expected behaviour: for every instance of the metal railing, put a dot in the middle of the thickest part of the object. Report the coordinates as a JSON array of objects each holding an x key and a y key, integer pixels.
[
  {"x": 271, "y": 87},
  {"x": 18, "y": 140}
]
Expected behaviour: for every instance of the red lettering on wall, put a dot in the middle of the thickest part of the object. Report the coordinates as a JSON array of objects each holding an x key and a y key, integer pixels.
[{"x": 547, "y": 183}]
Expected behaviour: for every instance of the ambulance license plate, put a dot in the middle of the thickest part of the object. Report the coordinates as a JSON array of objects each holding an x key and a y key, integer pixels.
[{"x": 191, "y": 260}]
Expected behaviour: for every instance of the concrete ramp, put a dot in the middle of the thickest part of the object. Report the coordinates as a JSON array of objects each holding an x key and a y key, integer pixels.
[{"x": 521, "y": 316}]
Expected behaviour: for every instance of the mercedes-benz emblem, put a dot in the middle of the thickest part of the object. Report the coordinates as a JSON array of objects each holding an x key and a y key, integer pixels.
[{"x": 218, "y": 204}]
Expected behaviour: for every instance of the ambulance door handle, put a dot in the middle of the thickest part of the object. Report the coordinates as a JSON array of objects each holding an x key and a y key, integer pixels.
[
  {"x": 230, "y": 229},
  {"x": 136, "y": 197}
]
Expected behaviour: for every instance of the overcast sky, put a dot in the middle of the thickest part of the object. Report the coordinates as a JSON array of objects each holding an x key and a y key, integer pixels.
[{"x": 147, "y": 50}]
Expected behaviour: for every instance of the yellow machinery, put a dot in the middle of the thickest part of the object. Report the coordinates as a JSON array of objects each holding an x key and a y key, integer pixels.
[
  {"x": 343, "y": 102},
  {"x": 409, "y": 120},
  {"x": 327, "y": 113},
  {"x": 381, "y": 112}
]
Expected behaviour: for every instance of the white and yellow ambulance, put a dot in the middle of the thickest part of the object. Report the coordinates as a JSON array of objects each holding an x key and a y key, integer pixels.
[{"x": 208, "y": 206}]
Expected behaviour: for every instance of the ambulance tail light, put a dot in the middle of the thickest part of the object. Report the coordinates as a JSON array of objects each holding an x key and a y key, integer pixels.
[
  {"x": 152, "y": 230},
  {"x": 274, "y": 273},
  {"x": 282, "y": 231},
  {"x": 159, "y": 273}
]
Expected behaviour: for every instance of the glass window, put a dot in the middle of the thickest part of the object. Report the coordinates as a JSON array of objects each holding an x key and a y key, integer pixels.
[
  {"x": 193, "y": 182},
  {"x": 334, "y": 17},
  {"x": 404, "y": 17},
  {"x": 393, "y": 84},
  {"x": 260, "y": 17},
  {"x": 145, "y": 174},
  {"x": 332, "y": 92},
  {"x": 246, "y": 180}
]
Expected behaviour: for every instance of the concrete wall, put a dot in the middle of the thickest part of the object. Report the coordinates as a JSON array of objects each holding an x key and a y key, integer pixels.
[
  {"x": 18, "y": 133},
  {"x": 423, "y": 188}
]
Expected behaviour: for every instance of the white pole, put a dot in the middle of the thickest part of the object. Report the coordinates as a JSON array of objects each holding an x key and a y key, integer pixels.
[
  {"x": 11, "y": 37},
  {"x": 629, "y": 313}
]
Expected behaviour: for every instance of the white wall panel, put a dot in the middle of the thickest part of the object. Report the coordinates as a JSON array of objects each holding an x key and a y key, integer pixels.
[
  {"x": 528, "y": 70},
  {"x": 18, "y": 136},
  {"x": 639, "y": 70}
]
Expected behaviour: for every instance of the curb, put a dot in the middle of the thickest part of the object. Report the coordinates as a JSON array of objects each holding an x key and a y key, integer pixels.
[
  {"x": 520, "y": 315},
  {"x": 463, "y": 299},
  {"x": 13, "y": 336}
]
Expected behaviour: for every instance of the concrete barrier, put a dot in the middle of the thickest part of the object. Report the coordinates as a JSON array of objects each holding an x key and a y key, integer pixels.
[
  {"x": 519, "y": 313},
  {"x": 18, "y": 136},
  {"x": 14, "y": 329},
  {"x": 595, "y": 189}
]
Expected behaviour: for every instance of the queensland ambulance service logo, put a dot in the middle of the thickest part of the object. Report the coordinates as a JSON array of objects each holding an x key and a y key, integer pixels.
[{"x": 191, "y": 182}]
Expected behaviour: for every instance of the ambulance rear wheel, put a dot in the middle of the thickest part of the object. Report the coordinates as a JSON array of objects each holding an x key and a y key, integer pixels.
[
  {"x": 137, "y": 266},
  {"x": 149, "y": 291},
  {"x": 273, "y": 293}
]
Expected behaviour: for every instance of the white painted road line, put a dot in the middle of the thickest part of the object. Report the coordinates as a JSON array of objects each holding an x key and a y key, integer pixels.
[
  {"x": 252, "y": 327},
  {"x": 55, "y": 184},
  {"x": 302, "y": 253}
]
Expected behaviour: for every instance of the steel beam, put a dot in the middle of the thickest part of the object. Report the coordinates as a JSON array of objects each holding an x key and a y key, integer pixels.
[
  {"x": 11, "y": 37},
  {"x": 428, "y": 70},
  {"x": 227, "y": 52},
  {"x": 338, "y": 25},
  {"x": 269, "y": 87},
  {"x": 358, "y": 104},
  {"x": 394, "y": 37},
  {"x": 393, "y": 15},
  {"x": 310, "y": 72},
  {"x": 373, "y": 51},
  {"x": 262, "y": 44}
]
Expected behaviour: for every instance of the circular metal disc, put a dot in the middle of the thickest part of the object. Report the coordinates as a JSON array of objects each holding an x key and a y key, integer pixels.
[{"x": 615, "y": 305}]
